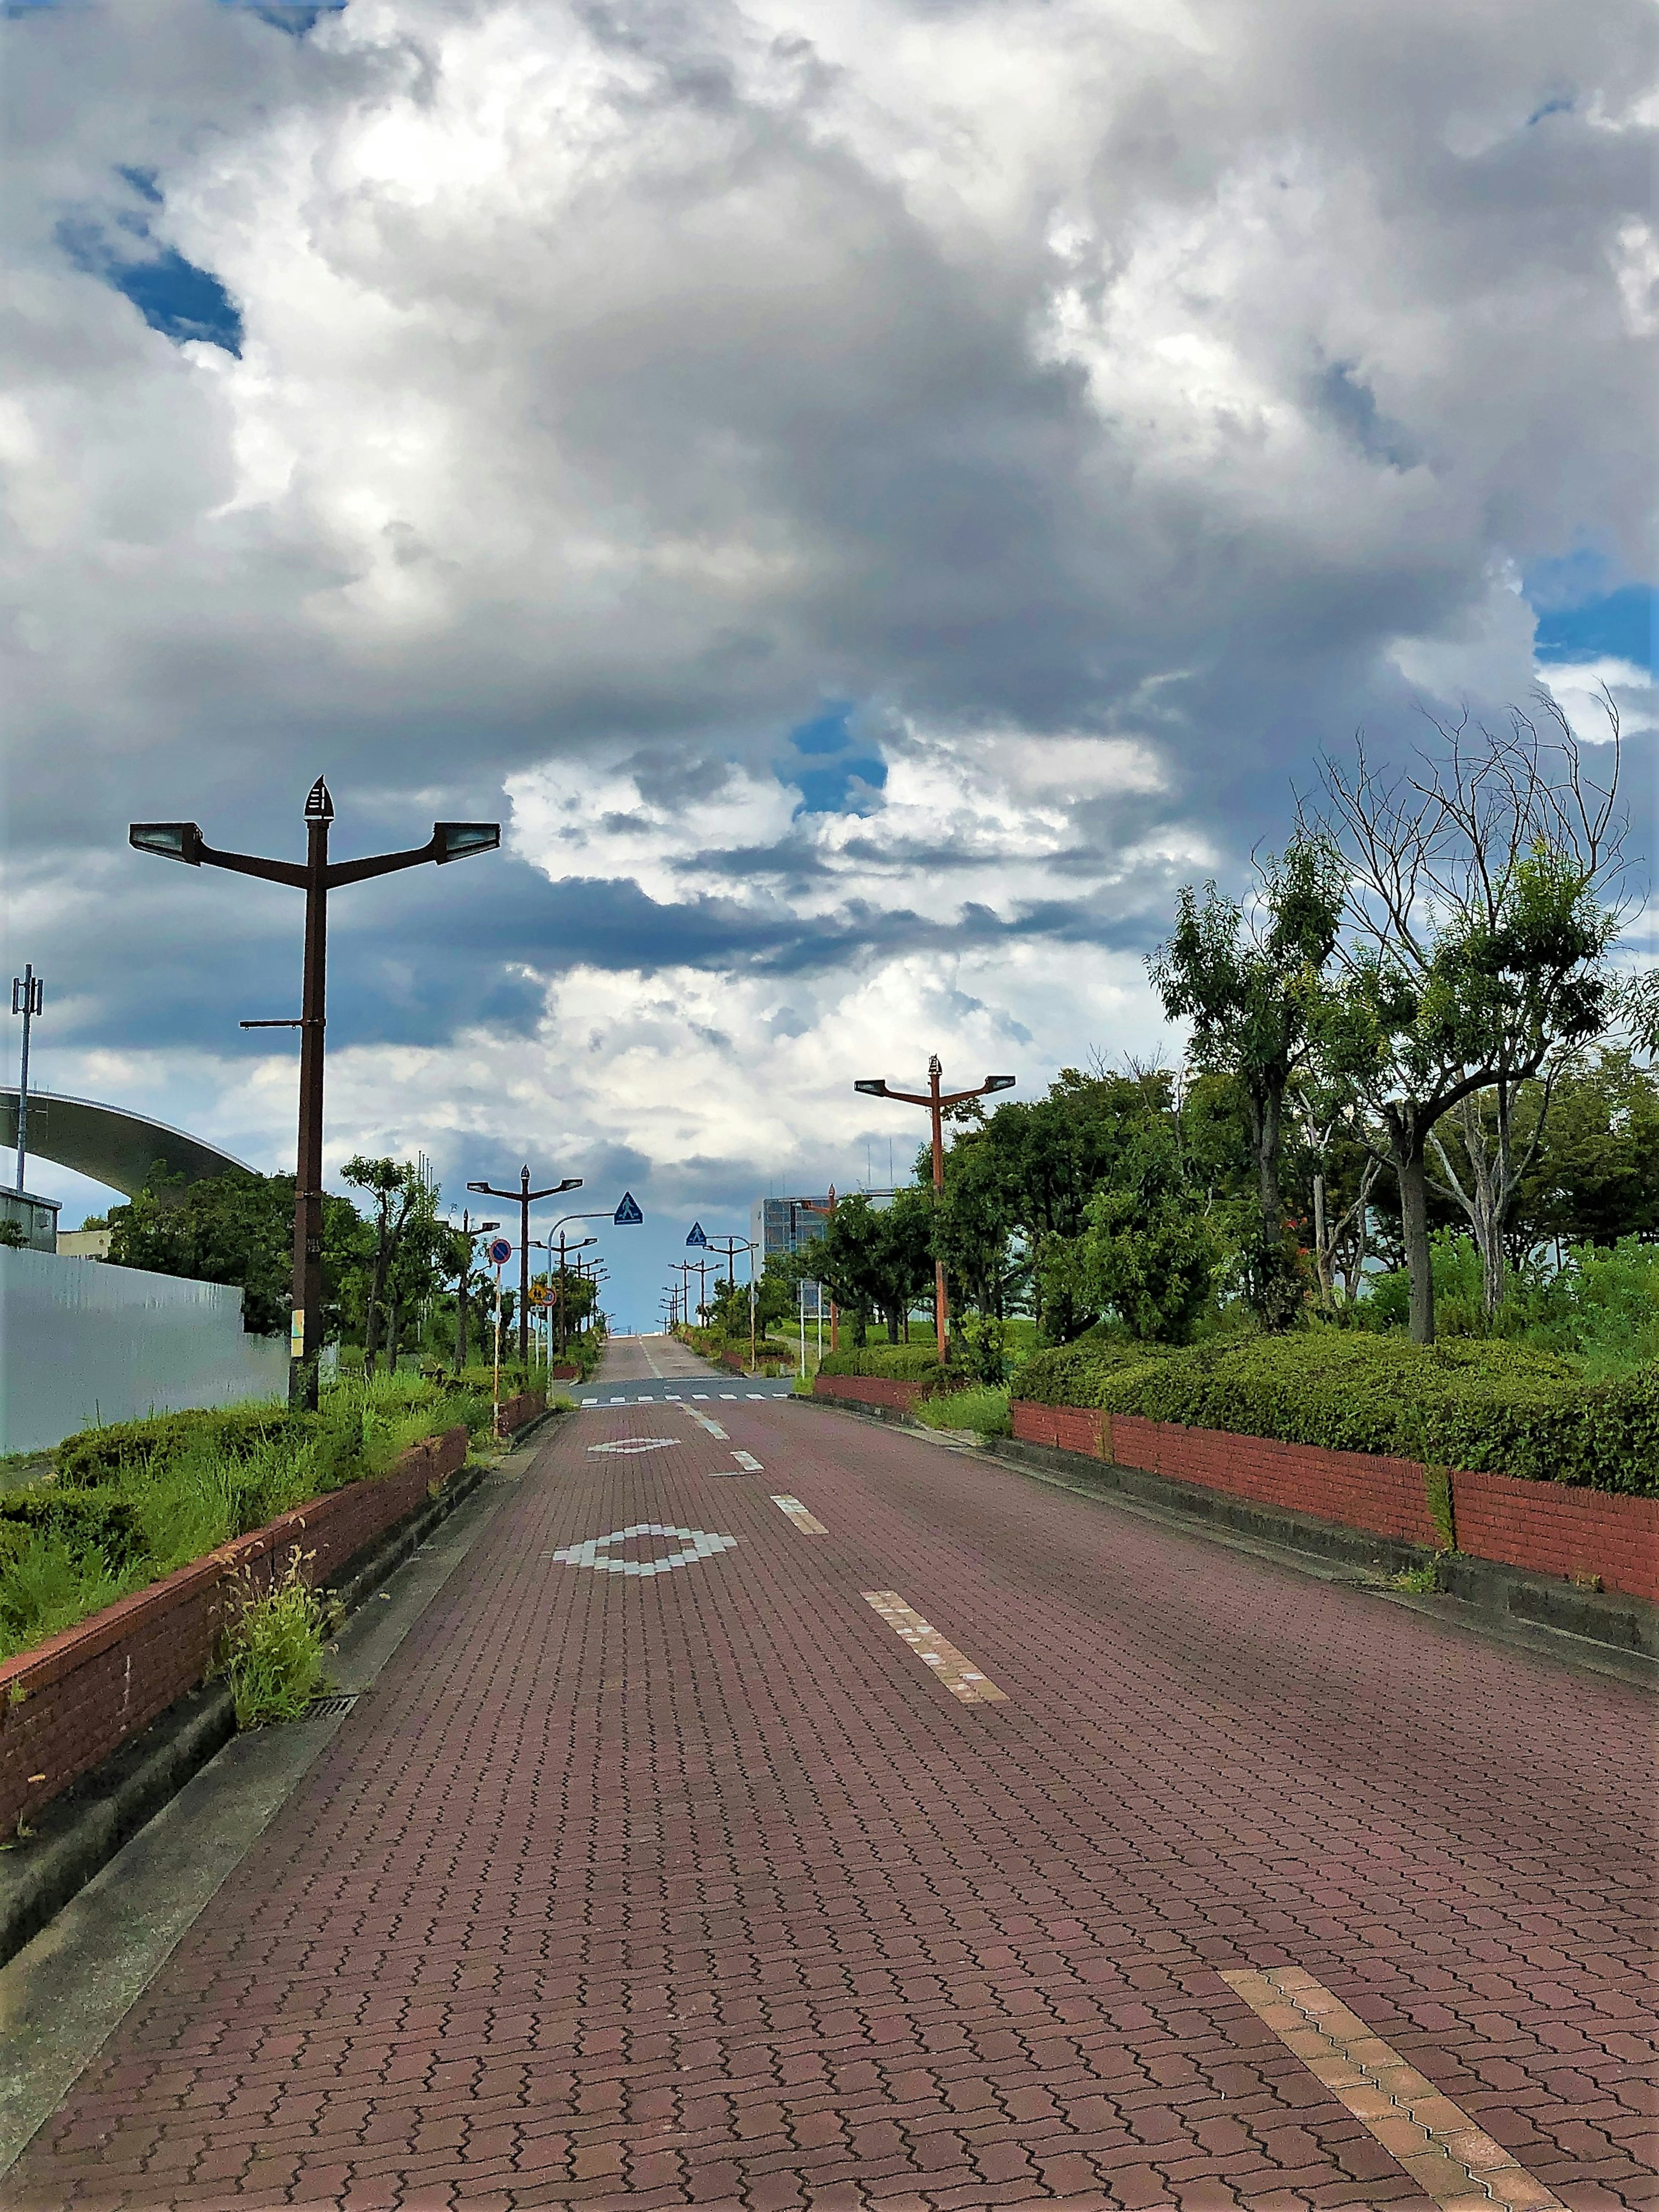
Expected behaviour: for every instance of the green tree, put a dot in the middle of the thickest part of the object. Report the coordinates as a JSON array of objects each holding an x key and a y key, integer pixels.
[
  {"x": 1149, "y": 1252},
  {"x": 1252, "y": 985},
  {"x": 875, "y": 1260},
  {"x": 235, "y": 1228},
  {"x": 1475, "y": 956},
  {"x": 397, "y": 1195}
]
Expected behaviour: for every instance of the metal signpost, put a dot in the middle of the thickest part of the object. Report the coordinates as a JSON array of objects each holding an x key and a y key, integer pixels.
[
  {"x": 936, "y": 1101},
  {"x": 498, "y": 1253},
  {"x": 316, "y": 877},
  {"x": 526, "y": 1198}
]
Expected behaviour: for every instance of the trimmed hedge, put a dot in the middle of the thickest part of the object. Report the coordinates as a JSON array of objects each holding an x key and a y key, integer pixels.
[
  {"x": 1488, "y": 1407},
  {"x": 83, "y": 1520},
  {"x": 99, "y": 1455},
  {"x": 900, "y": 1362}
]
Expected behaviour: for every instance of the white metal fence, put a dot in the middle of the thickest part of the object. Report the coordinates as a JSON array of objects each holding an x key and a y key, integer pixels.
[{"x": 82, "y": 1342}]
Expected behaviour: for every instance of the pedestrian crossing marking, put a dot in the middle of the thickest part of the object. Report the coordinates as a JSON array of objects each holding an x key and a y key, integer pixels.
[
  {"x": 806, "y": 1523},
  {"x": 1445, "y": 2151},
  {"x": 958, "y": 1672}
]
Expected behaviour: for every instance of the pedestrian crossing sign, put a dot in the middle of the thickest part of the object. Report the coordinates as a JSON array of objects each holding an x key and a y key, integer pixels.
[
  {"x": 629, "y": 1212},
  {"x": 696, "y": 1235}
]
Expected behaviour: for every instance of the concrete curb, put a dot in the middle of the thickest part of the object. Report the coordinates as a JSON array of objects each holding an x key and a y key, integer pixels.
[
  {"x": 82, "y": 1831},
  {"x": 1494, "y": 1592}
]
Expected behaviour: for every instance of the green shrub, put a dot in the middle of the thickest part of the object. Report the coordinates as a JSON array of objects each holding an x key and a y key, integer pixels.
[
  {"x": 83, "y": 1520},
  {"x": 273, "y": 1649},
  {"x": 105, "y": 1455},
  {"x": 905, "y": 1362},
  {"x": 1482, "y": 1405},
  {"x": 981, "y": 1407}
]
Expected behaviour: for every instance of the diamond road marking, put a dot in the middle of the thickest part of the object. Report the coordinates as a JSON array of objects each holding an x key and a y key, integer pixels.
[
  {"x": 806, "y": 1523},
  {"x": 627, "y": 1444},
  {"x": 700, "y": 1544},
  {"x": 1446, "y": 2153},
  {"x": 958, "y": 1673},
  {"x": 748, "y": 1463}
]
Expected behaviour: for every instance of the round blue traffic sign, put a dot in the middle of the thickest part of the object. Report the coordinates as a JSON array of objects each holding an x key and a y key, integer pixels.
[{"x": 500, "y": 1251}]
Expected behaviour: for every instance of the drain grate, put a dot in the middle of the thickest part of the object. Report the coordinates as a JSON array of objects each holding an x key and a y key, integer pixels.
[{"x": 341, "y": 1702}]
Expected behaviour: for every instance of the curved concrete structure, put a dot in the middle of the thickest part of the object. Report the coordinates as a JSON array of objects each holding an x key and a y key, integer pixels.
[{"x": 108, "y": 1143}]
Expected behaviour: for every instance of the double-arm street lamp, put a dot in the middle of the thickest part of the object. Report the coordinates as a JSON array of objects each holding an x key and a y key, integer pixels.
[
  {"x": 183, "y": 840},
  {"x": 936, "y": 1100},
  {"x": 526, "y": 1198},
  {"x": 566, "y": 1247}
]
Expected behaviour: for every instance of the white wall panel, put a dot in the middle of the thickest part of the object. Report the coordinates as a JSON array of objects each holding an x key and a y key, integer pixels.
[{"x": 82, "y": 1342}]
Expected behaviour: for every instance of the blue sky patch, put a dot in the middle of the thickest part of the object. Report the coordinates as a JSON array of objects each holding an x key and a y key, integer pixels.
[
  {"x": 1620, "y": 625},
  {"x": 172, "y": 295},
  {"x": 828, "y": 789}
]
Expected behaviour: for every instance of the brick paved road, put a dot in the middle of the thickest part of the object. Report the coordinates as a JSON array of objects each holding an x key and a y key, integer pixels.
[{"x": 701, "y": 1887}]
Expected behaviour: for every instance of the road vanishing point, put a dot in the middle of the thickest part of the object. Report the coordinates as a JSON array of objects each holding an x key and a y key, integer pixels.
[{"x": 747, "y": 1805}]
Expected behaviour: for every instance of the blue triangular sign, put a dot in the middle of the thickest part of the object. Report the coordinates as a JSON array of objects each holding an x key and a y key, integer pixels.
[
  {"x": 696, "y": 1235},
  {"x": 628, "y": 1211}
]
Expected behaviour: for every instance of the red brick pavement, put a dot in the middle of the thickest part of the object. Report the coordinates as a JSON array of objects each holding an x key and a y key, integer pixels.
[{"x": 698, "y": 1888}]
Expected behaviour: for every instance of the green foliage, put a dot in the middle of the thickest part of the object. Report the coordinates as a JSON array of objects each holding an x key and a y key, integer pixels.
[
  {"x": 874, "y": 1260},
  {"x": 1601, "y": 1306},
  {"x": 905, "y": 1362},
  {"x": 1458, "y": 1403},
  {"x": 172, "y": 1488},
  {"x": 1149, "y": 1253},
  {"x": 235, "y": 1227},
  {"x": 982, "y": 1408},
  {"x": 82, "y": 1520},
  {"x": 105, "y": 1455},
  {"x": 273, "y": 1649},
  {"x": 985, "y": 1348}
]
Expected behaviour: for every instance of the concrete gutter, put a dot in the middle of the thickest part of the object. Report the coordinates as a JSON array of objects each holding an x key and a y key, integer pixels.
[
  {"x": 1607, "y": 1633},
  {"x": 82, "y": 1831}
]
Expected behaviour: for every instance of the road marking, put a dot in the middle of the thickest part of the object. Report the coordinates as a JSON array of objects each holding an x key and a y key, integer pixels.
[
  {"x": 806, "y": 1523},
  {"x": 700, "y": 1544},
  {"x": 958, "y": 1673},
  {"x": 1445, "y": 2154},
  {"x": 748, "y": 1463},
  {"x": 730, "y": 1396},
  {"x": 627, "y": 1444},
  {"x": 701, "y": 1397},
  {"x": 619, "y": 1402},
  {"x": 756, "y": 1397},
  {"x": 703, "y": 1421},
  {"x": 670, "y": 1398}
]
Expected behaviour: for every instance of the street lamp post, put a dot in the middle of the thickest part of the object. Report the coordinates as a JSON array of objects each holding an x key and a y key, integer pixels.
[
  {"x": 730, "y": 1245},
  {"x": 471, "y": 1231},
  {"x": 936, "y": 1101},
  {"x": 183, "y": 840},
  {"x": 545, "y": 1244},
  {"x": 526, "y": 1198}
]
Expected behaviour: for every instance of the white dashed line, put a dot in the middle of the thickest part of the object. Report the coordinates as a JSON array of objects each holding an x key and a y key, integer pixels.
[
  {"x": 729, "y": 1397},
  {"x": 748, "y": 1463},
  {"x": 958, "y": 1673},
  {"x": 806, "y": 1523}
]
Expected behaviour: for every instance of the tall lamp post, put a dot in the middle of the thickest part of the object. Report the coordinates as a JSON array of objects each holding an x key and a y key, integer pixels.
[
  {"x": 730, "y": 1245},
  {"x": 936, "y": 1100},
  {"x": 545, "y": 1244},
  {"x": 28, "y": 997},
  {"x": 526, "y": 1198},
  {"x": 183, "y": 840}
]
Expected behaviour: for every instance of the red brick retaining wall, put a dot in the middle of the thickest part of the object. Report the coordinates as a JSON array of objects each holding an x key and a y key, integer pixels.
[
  {"x": 1547, "y": 1528},
  {"x": 869, "y": 1389},
  {"x": 71, "y": 1702}
]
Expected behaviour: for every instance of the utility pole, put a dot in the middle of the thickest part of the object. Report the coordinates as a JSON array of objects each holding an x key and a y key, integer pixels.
[
  {"x": 184, "y": 841},
  {"x": 936, "y": 1100},
  {"x": 27, "y": 996},
  {"x": 526, "y": 1198},
  {"x": 469, "y": 1230}
]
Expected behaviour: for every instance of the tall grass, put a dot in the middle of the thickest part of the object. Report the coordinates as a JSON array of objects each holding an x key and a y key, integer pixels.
[
  {"x": 273, "y": 1649},
  {"x": 982, "y": 1407},
  {"x": 196, "y": 1493}
]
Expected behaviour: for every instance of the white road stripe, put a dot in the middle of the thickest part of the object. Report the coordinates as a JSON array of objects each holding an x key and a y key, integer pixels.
[
  {"x": 748, "y": 1463},
  {"x": 958, "y": 1673},
  {"x": 806, "y": 1523}
]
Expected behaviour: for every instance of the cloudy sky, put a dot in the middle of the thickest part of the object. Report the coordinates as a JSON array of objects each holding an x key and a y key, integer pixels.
[{"x": 874, "y": 495}]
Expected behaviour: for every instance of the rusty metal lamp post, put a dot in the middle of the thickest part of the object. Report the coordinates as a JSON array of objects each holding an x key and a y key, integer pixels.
[
  {"x": 316, "y": 877},
  {"x": 936, "y": 1101}
]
